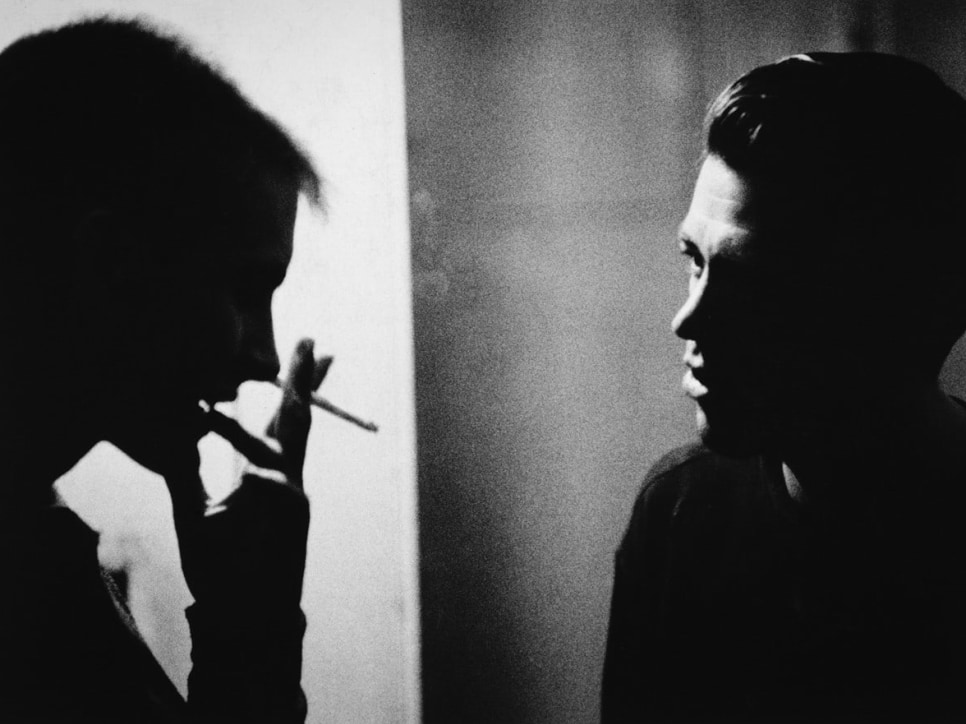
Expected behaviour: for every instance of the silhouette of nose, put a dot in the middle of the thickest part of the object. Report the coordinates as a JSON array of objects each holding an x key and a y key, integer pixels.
[{"x": 259, "y": 349}]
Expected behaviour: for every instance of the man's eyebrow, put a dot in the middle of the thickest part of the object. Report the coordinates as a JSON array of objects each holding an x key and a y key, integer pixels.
[
  {"x": 730, "y": 248},
  {"x": 727, "y": 249}
]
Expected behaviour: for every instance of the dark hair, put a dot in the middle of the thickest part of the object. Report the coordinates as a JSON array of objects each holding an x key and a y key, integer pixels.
[
  {"x": 868, "y": 147},
  {"x": 114, "y": 113}
]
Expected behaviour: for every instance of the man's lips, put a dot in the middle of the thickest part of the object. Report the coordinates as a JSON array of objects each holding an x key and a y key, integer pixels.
[
  {"x": 693, "y": 385},
  {"x": 220, "y": 394}
]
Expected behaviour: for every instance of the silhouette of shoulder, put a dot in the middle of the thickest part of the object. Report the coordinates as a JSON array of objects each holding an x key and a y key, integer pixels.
[
  {"x": 694, "y": 491},
  {"x": 694, "y": 474}
]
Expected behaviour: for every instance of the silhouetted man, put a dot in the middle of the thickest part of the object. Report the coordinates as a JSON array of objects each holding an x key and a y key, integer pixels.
[
  {"x": 803, "y": 562},
  {"x": 146, "y": 217}
]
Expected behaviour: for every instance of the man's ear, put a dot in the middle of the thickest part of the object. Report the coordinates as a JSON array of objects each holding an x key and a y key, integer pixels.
[{"x": 110, "y": 273}]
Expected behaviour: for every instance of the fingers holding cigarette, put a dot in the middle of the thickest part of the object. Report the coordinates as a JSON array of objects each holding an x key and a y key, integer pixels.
[
  {"x": 290, "y": 425},
  {"x": 305, "y": 378},
  {"x": 256, "y": 451},
  {"x": 283, "y": 447},
  {"x": 324, "y": 404},
  {"x": 287, "y": 433}
]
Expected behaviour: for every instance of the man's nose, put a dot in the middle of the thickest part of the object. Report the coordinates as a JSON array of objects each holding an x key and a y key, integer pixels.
[
  {"x": 260, "y": 350},
  {"x": 690, "y": 316}
]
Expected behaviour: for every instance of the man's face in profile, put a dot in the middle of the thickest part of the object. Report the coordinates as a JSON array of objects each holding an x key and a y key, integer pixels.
[
  {"x": 248, "y": 264},
  {"x": 203, "y": 316},
  {"x": 756, "y": 352},
  {"x": 232, "y": 338}
]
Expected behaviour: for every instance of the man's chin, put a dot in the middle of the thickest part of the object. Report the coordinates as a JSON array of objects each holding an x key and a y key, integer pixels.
[{"x": 732, "y": 438}]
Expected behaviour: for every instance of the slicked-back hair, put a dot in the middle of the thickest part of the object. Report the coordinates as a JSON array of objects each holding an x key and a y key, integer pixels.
[
  {"x": 118, "y": 115},
  {"x": 867, "y": 152}
]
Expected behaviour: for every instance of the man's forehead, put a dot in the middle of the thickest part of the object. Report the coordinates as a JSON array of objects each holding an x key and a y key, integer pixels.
[
  {"x": 258, "y": 217},
  {"x": 727, "y": 212},
  {"x": 712, "y": 223},
  {"x": 720, "y": 194}
]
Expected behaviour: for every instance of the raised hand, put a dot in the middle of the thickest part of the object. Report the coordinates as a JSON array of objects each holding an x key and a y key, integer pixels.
[
  {"x": 290, "y": 425},
  {"x": 244, "y": 561},
  {"x": 254, "y": 538}
]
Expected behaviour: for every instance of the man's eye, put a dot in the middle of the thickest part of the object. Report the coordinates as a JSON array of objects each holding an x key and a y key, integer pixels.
[{"x": 695, "y": 263}]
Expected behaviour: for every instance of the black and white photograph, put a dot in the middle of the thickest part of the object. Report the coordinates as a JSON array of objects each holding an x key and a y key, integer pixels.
[{"x": 482, "y": 361}]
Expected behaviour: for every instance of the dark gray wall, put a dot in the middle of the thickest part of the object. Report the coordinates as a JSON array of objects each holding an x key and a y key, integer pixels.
[{"x": 553, "y": 146}]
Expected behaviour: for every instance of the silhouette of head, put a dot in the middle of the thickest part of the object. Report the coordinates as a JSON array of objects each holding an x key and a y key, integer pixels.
[
  {"x": 824, "y": 239},
  {"x": 146, "y": 214}
]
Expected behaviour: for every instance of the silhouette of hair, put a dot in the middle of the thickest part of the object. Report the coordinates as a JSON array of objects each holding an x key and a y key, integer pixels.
[
  {"x": 870, "y": 151},
  {"x": 115, "y": 114}
]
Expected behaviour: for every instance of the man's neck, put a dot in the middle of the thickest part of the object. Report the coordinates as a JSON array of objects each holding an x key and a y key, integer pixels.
[{"x": 874, "y": 440}]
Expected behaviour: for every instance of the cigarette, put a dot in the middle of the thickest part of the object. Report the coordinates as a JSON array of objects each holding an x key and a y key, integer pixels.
[{"x": 324, "y": 404}]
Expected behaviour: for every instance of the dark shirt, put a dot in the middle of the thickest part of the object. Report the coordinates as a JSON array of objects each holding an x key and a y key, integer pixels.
[
  {"x": 732, "y": 603},
  {"x": 70, "y": 652}
]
